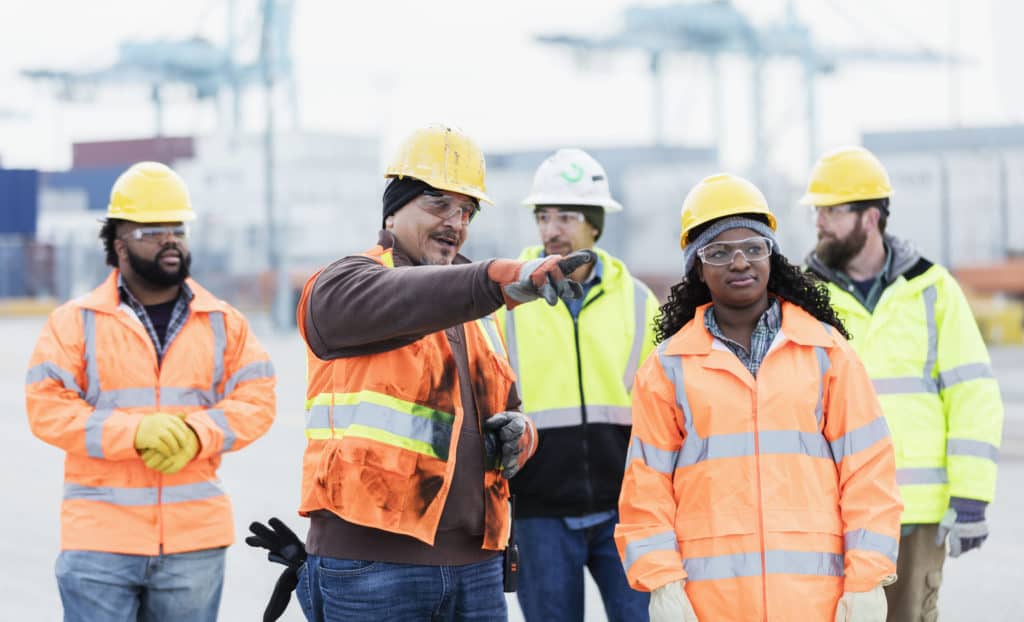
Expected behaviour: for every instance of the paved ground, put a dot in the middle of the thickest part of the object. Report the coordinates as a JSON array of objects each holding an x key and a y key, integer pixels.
[{"x": 264, "y": 481}]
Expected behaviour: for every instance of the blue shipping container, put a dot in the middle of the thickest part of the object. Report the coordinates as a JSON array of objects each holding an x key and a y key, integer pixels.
[
  {"x": 96, "y": 182},
  {"x": 19, "y": 201}
]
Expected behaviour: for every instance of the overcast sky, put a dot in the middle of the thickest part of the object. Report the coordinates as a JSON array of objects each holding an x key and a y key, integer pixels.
[{"x": 386, "y": 67}]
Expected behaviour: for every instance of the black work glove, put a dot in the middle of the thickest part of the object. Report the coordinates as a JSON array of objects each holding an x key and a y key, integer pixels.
[
  {"x": 511, "y": 439},
  {"x": 283, "y": 547}
]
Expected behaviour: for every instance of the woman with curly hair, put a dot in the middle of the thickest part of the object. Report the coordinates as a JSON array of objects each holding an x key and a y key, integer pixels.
[{"x": 760, "y": 482}]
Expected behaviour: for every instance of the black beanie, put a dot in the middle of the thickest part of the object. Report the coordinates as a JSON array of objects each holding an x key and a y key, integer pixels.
[
  {"x": 398, "y": 193},
  {"x": 592, "y": 213}
]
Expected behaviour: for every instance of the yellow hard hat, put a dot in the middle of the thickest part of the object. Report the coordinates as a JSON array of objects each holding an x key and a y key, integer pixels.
[
  {"x": 847, "y": 174},
  {"x": 721, "y": 195},
  {"x": 443, "y": 157},
  {"x": 150, "y": 192}
]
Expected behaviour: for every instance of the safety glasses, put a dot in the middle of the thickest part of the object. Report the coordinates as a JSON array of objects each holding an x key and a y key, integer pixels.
[
  {"x": 444, "y": 207},
  {"x": 562, "y": 219},
  {"x": 158, "y": 234},
  {"x": 757, "y": 248}
]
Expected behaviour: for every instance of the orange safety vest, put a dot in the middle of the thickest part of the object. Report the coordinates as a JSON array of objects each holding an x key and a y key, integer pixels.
[
  {"x": 95, "y": 373},
  {"x": 383, "y": 429},
  {"x": 769, "y": 496}
]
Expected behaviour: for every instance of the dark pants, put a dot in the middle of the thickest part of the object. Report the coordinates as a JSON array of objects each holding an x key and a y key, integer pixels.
[
  {"x": 915, "y": 595},
  {"x": 551, "y": 561},
  {"x": 336, "y": 590}
]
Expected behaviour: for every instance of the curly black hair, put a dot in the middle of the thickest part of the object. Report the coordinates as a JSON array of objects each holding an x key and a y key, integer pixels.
[
  {"x": 785, "y": 280},
  {"x": 108, "y": 233}
]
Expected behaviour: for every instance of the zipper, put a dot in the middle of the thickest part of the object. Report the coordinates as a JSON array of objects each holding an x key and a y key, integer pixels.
[
  {"x": 760, "y": 508},
  {"x": 587, "y": 483}
]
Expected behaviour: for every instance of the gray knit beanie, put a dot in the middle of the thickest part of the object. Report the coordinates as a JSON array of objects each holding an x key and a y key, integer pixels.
[{"x": 717, "y": 228}]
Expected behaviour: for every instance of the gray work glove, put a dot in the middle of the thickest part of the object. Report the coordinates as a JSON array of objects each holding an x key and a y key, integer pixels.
[
  {"x": 544, "y": 277},
  {"x": 510, "y": 438},
  {"x": 964, "y": 523}
]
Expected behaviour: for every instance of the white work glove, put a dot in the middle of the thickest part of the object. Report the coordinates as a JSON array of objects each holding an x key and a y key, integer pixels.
[
  {"x": 867, "y": 606},
  {"x": 510, "y": 438},
  {"x": 669, "y": 603}
]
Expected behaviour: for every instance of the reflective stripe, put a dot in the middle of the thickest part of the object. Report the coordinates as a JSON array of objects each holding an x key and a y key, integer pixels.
[
  {"x": 491, "y": 335},
  {"x": 722, "y": 566},
  {"x": 377, "y": 416},
  {"x": 964, "y": 373},
  {"x": 661, "y": 460},
  {"x": 615, "y": 415},
  {"x": 861, "y": 438},
  {"x": 930, "y": 295},
  {"x": 776, "y": 562},
  {"x": 257, "y": 370},
  {"x": 804, "y": 562},
  {"x": 573, "y": 416},
  {"x": 906, "y": 384},
  {"x": 45, "y": 370},
  {"x": 926, "y": 475},
  {"x": 221, "y": 420},
  {"x": 635, "y": 549},
  {"x": 127, "y": 398},
  {"x": 639, "y": 331},
  {"x": 513, "y": 345},
  {"x": 92, "y": 374},
  {"x": 864, "y": 540},
  {"x": 824, "y": 364},
  {"x": 811, "y": 444},
  {"x": 971, "y": 447},
  {"x": 185, "y": 396},
  {"x": 94, "y": 432},
  {"x": 220, "y": 344},
  {"x": 557, "y": 418},
  {"x": 672, "y": 367},
  {"x": 144, "y": 496}
]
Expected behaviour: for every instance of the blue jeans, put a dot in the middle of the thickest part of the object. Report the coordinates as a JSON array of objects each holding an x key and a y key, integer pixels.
[
  {"x": 110, "y": 587},
  {"x": 551, "y": 561},
  {"x": 334, "y": 590}
]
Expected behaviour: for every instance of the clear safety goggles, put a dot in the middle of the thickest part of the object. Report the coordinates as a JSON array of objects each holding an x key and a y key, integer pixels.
[
  {"x": 831, "y": 212},
  {"x": 562, "y": 219},
  {"x": 444, "y": 207},
  {"x": 758, "y": 248},
  {"x": 159, "y": 234}
]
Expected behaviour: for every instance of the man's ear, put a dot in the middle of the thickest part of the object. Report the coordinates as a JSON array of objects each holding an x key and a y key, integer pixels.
[
  {"x": 389, "y": 222},
  {"x": 120, "y": 248}
]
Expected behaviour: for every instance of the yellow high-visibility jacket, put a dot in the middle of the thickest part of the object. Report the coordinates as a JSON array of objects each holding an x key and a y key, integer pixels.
[
  {"x": 929, "y": 365},
  {"x": 575, "y": 377}
]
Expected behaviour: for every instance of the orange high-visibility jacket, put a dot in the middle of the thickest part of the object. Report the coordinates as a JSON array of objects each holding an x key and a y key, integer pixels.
[
  {"x": 383, "y": 428},
  {"x": 94, "y": 375},
  {"x": 769, "y": 496}
]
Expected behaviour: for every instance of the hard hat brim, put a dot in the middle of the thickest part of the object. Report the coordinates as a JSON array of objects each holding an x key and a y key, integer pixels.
[{"x": 609, "y": 204}]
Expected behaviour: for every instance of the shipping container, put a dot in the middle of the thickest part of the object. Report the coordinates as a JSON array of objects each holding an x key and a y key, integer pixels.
[
  {"x": 19, "y": 201},
  {"x": 165, "y": 149},
  {"x": 95, "y": 182}
]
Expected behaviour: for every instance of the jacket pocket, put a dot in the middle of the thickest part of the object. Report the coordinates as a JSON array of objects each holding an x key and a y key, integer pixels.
[{"x": 353, "y": 472}]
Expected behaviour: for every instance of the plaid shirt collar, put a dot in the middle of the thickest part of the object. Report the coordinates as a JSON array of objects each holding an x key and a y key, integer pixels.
[
  {"x": 768, "y": 325},
  {"x": 178, "y": 316}
]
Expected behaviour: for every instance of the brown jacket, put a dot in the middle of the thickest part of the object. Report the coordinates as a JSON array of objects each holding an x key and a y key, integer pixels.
[{"x": 358, "y": 307}]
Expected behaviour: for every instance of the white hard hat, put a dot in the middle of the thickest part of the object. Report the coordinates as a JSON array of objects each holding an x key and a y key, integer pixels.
[{"x": 571, "y": 177}]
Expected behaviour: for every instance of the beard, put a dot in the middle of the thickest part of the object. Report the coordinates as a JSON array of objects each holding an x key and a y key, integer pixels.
[
  {"x": 151, "y": 271},
  {"x": 836, "y": 253}
]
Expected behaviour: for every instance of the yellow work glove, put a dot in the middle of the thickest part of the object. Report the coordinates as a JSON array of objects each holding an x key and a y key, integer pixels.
[
  {"x": 669, "y": 603},
  {"x": 163, "y": 432},
  {"x": 867, "y": 606},
  {"x": 176, "y": 461}
]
